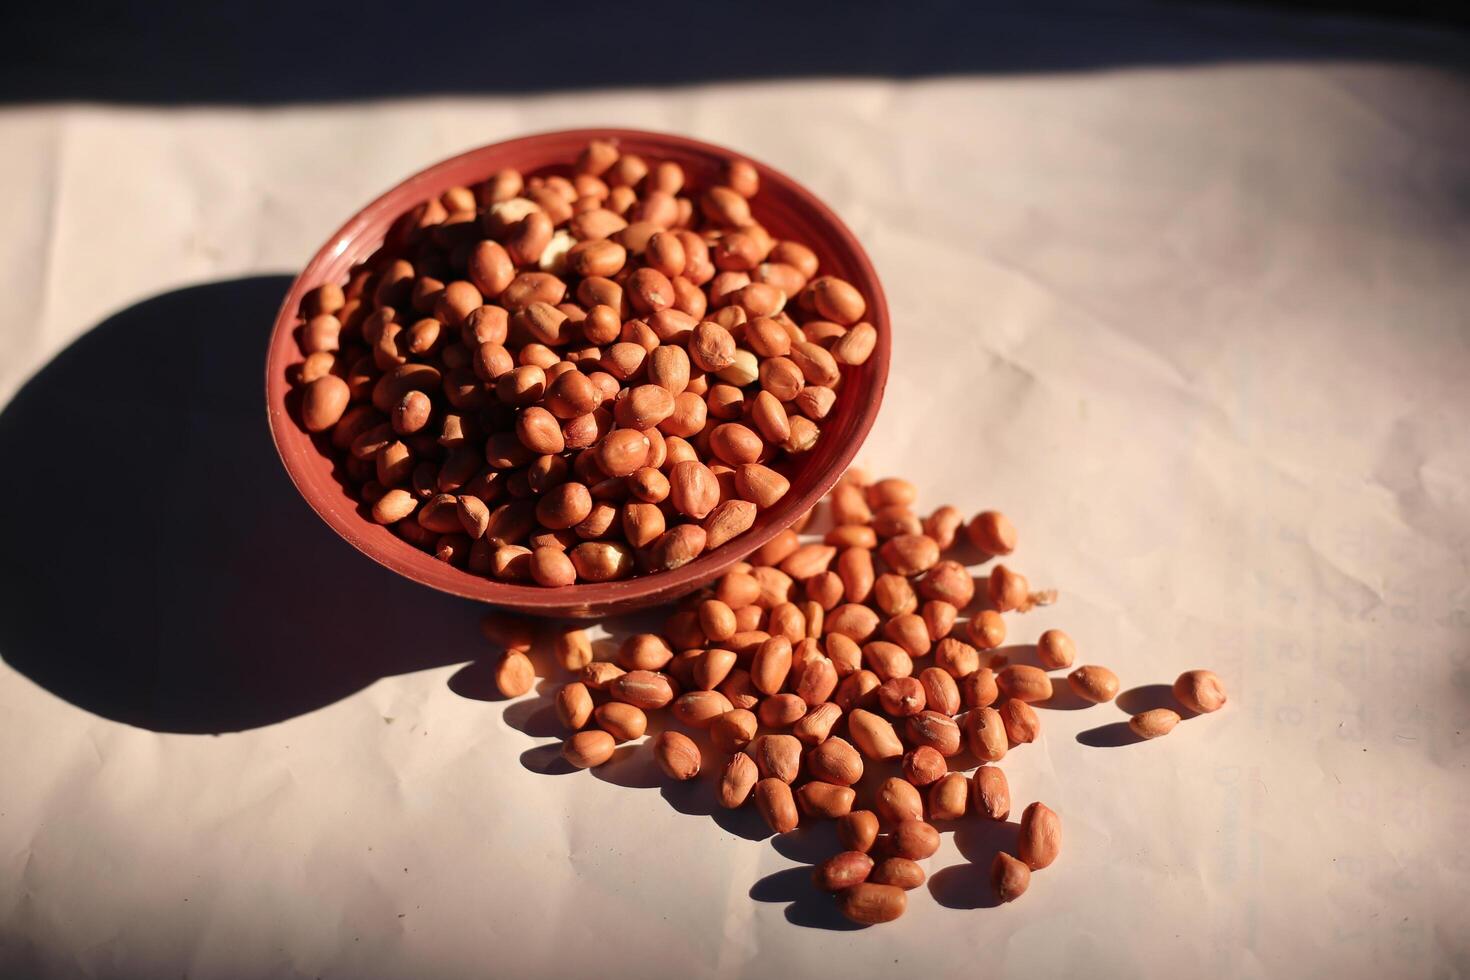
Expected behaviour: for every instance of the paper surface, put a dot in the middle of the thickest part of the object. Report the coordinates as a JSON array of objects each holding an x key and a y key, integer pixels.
[{"x": 1204, "y": 334}]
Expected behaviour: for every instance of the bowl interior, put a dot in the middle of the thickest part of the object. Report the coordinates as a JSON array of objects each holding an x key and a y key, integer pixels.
[{"x": 784, "y": 207}]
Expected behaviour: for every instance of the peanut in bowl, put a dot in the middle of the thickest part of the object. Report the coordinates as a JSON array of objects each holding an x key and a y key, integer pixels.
[{"x": 469, "y": 452}]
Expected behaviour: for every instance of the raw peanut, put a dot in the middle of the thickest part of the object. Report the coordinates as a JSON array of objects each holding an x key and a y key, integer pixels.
[
  {"x": 781, "y": 710},
  {"x": 1154, "y": 722},
  {"x": 717, "y": 620},
  {"x": 1198, "y": 690},
  {"x": 901, "y": 697},
  {"x": 956, "y": 657},
  {"x": 598, "y": 674},
  {"x": 623, "y": 722},
  {"x": 855, "y": 568},
  {"x": 601, "y": 561},
  {"x": 950, "y": 581},
  {"x": 622, "y": 452},
  {"x": 987, "y": 630},
  {"x": 897, "y": 871},
  {"x": 573, "y": 705},
  {"x": 1095, "y": 684},
  {"x": 849, "y": 505},
  {"x": 774, "y": 800},
  {"x": 852, "y": 536},
  {"x": 814, "y": 727},
  {"x": 440, "y": 514},
  {"x": 729, "y": 519},
  {"x": 910, "y": 632},
  {"x": 986, "y": 733},
  {"x": 939, "y": 618},
  {"x": 644, "y": 407},
  {"x": 853, "y": 621},
  {"x": 769, "y": 416},
  {"x": 786, "y": 620},
  {"x": 857, "y": 830},
  {"x": 1024, "y": 682},
  {"x": 808, "y": 560},
  {"x": 1008, "y": 590},
  {"x": 909, "y": 554},
  {"x": 699, "y": 709},
  {"x": 676, "y": 547},
  {"x": 745, "y": 644},
  {"x": 737, "y": 781},
  {"x": 642, "y": 523},
  {"x": 892, "y": 492},
  {"x": 818, "y": 681},
  {"x": 894, "y": 595},
  {"x": 923, "y": 765},
  {"x": 676, "y": 755},
  {"x": 642, "y": 688},
  {"x": 393, "y": 506},
  {"x": 644, "y": 651},
  {"x": 887, "y": 660},
  {"x": 837, "y": 300},
  {"x": 897, "y": 800},
  {"x": 856, "y": 345},
  {"x": 992, "y": 532},
  {"x": 896, "y": 520},
  {"x": 935, "y": 730},
  {"x": 949, "y": 797},
  {"x": 551, "y": 567},
  {"x": 1041, "y": 836},
  {"x": 835, "y": 761},
  {"x": 825, "y": 801},
  {"x": 773, "y": 552},
  {"x": 771, "y": 664},
  {"x": 1009, "y": 877},
  {"x": 941, "y": 693},
  {"x": 733, "y": 730},
  {"x": 473, "y": 515},
  {"x": 411, "y": 413},
  {"x": 564, "y": 506},
  {"x": 588, "y": 748},
  {"x": 845, "y": 654},
  {"x": 1055, "y": 650},
  {"x": 857, "y": 690},
  {"x": 816, "y": 618},
  {"x": 759, "y": 484},
  {"x": 713, "y": 666},
  {"x": 914, "y": 839},
  {"x": 777, "y": 756},
  {"x": 870, "y": 904},
  {"x": 514, "y": 674},
  {"x": 991, "y": 793},
  {"x": 873, "y": 735},
  {"x": 1020, "y": 721},
  {"x": 944, "y": 526},
  {"x": 323, "y": 402},
  {"x": 842, "y": 870},
  {"x": 693, "y": 489}
]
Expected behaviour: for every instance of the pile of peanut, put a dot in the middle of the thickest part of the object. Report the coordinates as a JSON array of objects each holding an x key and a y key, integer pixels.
[
  {"x": 815, "y": 662},
  {"x": 569, "y": 379}
]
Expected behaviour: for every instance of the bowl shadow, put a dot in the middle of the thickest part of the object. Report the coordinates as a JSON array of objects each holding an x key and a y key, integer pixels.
[{"x": 198, "y": 593}]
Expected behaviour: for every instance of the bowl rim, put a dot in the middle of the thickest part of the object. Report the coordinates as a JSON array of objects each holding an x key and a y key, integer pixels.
[{"x": 638, "y": 591}]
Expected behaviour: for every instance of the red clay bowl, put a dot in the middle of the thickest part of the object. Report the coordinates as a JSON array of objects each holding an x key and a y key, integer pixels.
[{"x": 786, "y": 208}]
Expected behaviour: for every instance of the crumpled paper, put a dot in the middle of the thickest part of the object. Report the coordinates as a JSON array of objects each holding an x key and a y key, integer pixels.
[{"x": 1200, "y": 332}]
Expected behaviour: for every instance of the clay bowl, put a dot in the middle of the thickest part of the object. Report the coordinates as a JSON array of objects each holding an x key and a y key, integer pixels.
[{"x": 786, "y": 208}]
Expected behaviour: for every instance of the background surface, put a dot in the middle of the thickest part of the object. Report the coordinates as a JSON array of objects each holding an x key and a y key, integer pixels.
[{"x": 1200, "y": 323}]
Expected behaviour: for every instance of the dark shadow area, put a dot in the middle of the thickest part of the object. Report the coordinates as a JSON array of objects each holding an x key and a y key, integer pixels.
[
  {"x": 967, "y": 886},
  {"x": 187, "y": 587},
  {"x": 808, "y": 906},
  {"x": 1109, "y": 736},
  {"x": 279, "y": 52},
  {"x": 1063, "y": 698},
  {"x": 1137, "y": 700}
]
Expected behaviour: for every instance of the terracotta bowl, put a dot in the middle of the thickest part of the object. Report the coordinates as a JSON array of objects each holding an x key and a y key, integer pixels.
[{"x": 783, "y": 206}]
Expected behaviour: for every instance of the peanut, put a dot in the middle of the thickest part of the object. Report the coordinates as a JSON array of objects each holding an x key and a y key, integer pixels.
[
  {"x": 1094, "y": 683},
  {"x": 842, "y": 870},
  {"x": 1154, "y": 723},
  {"x": 677, "y": 755},
  {"x": 1041, "y": 836},
  {"x": 1200, "y": 691},
  {"x": 1009, "y": 877},
  {"x": 871, "y": 904}
]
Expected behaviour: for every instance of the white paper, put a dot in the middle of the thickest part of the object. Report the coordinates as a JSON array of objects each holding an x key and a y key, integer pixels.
[{"x": 1202, "y": 333}]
